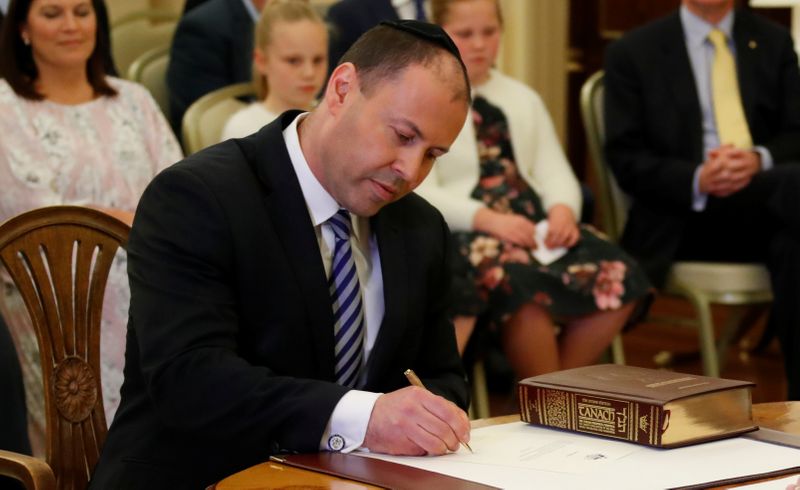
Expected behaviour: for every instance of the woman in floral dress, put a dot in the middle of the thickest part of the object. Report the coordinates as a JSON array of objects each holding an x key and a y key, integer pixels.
[
  {"x": 506, "y": 173},
  {"x": 70, "y": 134}
]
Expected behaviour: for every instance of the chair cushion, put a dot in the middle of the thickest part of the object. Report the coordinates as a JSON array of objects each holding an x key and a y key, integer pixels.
[{"x": 720, "y": 277}]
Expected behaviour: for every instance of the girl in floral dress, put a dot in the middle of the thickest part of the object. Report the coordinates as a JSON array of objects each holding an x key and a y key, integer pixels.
[{"x": 505, "y": 173}]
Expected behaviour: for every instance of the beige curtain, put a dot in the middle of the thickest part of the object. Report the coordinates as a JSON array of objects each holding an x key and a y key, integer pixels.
[{"x": 534, "y": 50}]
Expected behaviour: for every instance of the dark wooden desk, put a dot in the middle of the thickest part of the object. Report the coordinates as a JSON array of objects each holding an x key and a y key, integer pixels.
[{"x": 782, "y": 416}]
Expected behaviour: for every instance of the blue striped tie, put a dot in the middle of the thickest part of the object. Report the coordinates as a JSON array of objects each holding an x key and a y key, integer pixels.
[{"x": 348, "y": 315}]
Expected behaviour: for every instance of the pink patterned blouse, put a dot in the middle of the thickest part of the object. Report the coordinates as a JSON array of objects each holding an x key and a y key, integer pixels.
[{"x": 102, "y": 152}]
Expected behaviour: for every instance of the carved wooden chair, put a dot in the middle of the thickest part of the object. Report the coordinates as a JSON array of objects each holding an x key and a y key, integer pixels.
[{"x": 59, "y": 258}]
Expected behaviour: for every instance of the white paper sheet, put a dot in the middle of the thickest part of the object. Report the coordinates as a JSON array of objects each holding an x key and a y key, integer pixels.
[
  {"x": 543, "y": 254},
  {"x": 521, "y": 456}
]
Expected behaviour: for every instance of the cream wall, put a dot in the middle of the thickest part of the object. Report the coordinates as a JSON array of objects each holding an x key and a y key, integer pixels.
[{"x": 534, "y": 50}]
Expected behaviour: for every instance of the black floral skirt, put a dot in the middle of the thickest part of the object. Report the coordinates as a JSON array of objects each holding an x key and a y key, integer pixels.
[{"x": 495, "y": 277}]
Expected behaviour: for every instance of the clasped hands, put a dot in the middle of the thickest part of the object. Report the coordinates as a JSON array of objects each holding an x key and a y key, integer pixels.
[
  {"x": 562, "y": 230},
  {"x": 728, "y": 170},
  {"x": 413, "y": 421}
]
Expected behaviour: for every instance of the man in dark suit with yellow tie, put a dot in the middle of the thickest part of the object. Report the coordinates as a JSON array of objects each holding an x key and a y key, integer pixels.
[
  {"x": 282, "y": 283},
  {"x": 703, "y": 132}
]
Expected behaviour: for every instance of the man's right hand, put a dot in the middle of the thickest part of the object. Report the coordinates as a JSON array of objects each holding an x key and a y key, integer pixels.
[
  {"x": 414, "y": 422},
  {"x": 728, "y": 170}
]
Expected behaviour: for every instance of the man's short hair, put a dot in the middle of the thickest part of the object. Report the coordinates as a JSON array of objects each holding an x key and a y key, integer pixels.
[{"x": 384, "y": 51}]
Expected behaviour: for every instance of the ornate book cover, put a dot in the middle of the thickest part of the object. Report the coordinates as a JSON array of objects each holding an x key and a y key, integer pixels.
[{"x": 646, "y": 406}]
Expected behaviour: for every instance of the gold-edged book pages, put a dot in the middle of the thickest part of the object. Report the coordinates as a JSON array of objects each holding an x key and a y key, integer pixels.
[{"x": 646, "y": 406}]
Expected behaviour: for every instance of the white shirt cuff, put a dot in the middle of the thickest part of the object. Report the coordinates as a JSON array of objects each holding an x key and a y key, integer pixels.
[
  {"x": 699, "y": 199},
  {"x": 347, "y": 426},
  {"x": 766, "y": 157}
]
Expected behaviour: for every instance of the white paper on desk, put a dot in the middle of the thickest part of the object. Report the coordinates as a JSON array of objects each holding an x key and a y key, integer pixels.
[
  {"x": 549, "y": 451},
  {"x": 543, "y": 254},
  {"x": 497, "y": 462}
]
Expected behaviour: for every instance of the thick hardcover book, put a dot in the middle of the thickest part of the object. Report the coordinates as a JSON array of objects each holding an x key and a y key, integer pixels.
[{"x": 646, "y": 406}]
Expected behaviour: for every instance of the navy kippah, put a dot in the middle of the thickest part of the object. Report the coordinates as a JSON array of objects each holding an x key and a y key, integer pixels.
[{"x": 427, "y": 31}]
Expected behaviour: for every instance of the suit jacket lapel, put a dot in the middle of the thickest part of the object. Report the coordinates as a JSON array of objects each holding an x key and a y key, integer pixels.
[
  {"x": 394, "y": 266},
  {"x": 679, "y": 73},
  {"x": 746, "y": 53},
  {"x": 287, "y": 209}
]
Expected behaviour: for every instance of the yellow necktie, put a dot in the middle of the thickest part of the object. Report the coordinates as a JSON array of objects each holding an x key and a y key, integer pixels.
[{"x": 731, "y": 124}]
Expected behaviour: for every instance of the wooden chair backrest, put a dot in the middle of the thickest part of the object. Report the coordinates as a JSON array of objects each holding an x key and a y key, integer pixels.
[{"x": 59, "y": 258}]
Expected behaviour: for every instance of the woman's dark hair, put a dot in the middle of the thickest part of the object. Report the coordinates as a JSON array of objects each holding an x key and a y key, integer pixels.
[{"x": 16, "y": 59}]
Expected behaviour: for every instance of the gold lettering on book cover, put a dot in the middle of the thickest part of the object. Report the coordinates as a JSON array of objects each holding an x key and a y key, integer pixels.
[
  {"x": 644, "y": 424},
  {"x": 555, "y": 406},
  {"x": 654, "y": 434},
  {"x": 622, "y": 420},
  {"x": 596, "y": 418}
]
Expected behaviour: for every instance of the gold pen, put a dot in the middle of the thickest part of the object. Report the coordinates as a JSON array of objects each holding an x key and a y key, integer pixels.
[{"x": 412, "y": 378}]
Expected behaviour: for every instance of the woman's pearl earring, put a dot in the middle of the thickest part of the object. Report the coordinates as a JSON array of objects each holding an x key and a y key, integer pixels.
[{"x": 26, "y": 41}]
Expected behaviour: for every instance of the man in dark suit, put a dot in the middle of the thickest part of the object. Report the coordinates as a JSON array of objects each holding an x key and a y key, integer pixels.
[
  {"x": 212, "y": 48},
  {"x": 701, "y": 190},
  {"x": 233, "y": 261},
  {"x": 352, "y": 18}
]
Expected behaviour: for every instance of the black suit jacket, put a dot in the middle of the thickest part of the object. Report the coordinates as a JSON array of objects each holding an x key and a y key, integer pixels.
[
  {"x": 212, "y": 48},
  {"x": 350, "y": 19},
  {"x": 654, "y": 125},
  {"x": 230, "y": 353}
]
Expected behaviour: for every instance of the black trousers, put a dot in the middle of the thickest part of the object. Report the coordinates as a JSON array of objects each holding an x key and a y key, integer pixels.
[{"x": 760, "y": 223}]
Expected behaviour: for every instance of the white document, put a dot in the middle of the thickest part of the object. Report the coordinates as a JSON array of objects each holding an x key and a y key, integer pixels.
[
  {"x": 522, "y": 456},
  {"x": 543, "y": 254}
]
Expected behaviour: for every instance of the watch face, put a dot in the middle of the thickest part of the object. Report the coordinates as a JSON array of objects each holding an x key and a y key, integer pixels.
[{"x": 335, "y": 442}]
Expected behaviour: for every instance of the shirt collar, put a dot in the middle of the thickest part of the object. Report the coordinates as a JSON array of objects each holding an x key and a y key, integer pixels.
[
  {"x": 251, "y": 9},
  {"x": 321, "y": 205},
  {"x": 697, "y": 30}
]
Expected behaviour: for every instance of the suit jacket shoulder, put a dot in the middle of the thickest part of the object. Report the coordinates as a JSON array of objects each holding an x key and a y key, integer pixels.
[
  {"x": 352, "y": 18},
  {"x": 212, "y": 48}
]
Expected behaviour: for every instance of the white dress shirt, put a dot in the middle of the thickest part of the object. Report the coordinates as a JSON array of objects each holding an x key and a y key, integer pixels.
[
  {"x": 351, "y": 415},
  {"x": 407, "y": 9}
]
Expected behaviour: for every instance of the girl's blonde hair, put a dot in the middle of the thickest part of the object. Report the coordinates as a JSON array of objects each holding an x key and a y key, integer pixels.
[
  {"x": 440, "y": 9},
  {"x": 278, "y": 11}
]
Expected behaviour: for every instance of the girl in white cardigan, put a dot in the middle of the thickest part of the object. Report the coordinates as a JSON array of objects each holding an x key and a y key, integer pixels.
[
  {"x": 505, "y": 174},
  {"x": 290, "y": 61}
]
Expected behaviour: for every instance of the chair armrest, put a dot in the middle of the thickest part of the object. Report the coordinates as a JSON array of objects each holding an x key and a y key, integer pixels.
[{"x": 34, "y": 473}]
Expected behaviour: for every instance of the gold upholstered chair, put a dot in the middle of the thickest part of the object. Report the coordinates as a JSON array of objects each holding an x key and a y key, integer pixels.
[{"x": 205, "y": 119}]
